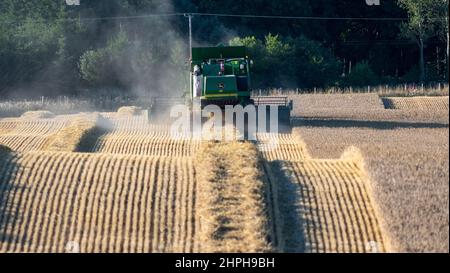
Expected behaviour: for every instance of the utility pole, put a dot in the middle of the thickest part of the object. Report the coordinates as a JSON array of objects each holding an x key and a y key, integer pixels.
[
  {"x": 446, "y": 23},
  {"x": 189, "y": 90},
  {"x": 190, "y": 33}
]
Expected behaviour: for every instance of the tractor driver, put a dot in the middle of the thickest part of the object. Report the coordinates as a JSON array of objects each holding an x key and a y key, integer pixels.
[{"x": 198, "y": 79}]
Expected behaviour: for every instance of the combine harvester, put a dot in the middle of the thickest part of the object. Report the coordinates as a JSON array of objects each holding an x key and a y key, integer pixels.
[{"x": 221, "y": 76}]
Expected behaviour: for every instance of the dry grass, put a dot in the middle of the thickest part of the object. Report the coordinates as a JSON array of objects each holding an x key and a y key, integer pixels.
[
  {"x": 324, "y": 205},
  {"x": 80, "y": 135},
  {"x": 117, "y": 203},
  {"x": 37, "y": 115},
  {"x": 136, "y": 136},
  {"x": 313, "y": 102},
  {"x": 129, "y": 203},
  {"x": 353, "y": 154},
  {"x": 400, "y": 90},
  {"x": 142, "y": 191},
  {"x": 231, "y": 198},
  {"x": 129, "y": 111},
  {"x": 155, "y": 143},
  {"x": 281, "y": 147},
  {"x": 369, "y": 107},
  {"x": 406, "y": 155},
  {"x": 363, "y": 107},
  {"x": 15, "y": 108},
  {"x": 418, "y": 103},
  {"x": 7, "y": 125},
  {"x": 357, "y": 114},
  {"x": 104, "y": 203},
  {"x": 25, "y": 135}
]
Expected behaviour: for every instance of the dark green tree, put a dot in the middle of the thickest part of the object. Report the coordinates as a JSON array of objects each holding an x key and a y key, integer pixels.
[{"x": 423, "y": 16}]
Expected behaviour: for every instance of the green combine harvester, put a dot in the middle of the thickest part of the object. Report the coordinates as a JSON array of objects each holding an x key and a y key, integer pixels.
[{"x": 221, "y": 76}]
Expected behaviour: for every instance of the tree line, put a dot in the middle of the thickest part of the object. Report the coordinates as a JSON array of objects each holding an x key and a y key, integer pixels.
[{"x": 48, "y": 47}]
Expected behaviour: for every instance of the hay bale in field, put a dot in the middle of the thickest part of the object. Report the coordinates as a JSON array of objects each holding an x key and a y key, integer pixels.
[
  {"x": 129, "y": 111},
  {"x": 79, "y": 136},
  {"x": 232, "y": 192},
  {"x": 37, "y": 114}
]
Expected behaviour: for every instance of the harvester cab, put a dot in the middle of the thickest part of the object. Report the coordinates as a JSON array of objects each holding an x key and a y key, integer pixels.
[{"x": 220, "y": 76}]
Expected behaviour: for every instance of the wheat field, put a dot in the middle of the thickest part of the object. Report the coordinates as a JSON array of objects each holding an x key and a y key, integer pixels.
[
  {"x": 326, "y": 204},
  {"x": 135, "y": 190},
  {"x": 114, "y": 182},
  {"x": 232, "y": 198},
  {"x": 405, "y": 154},
  {"x": 136, "y": 136},
  {"x": 418, "y": 103},
  {"x": 281, "y": 147},
  {"x": 29, "y": 135},
  {"x": 104, "y": 203},
  {"x": 335, "y": 207}
]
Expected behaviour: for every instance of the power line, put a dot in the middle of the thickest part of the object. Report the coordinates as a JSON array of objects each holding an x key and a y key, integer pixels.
[
  {"x": 383, "y": 42},
  {"x": 143, "y": 16},
  {"x": 302, "y": 17},
  {"x": 276, "y": 17}
]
